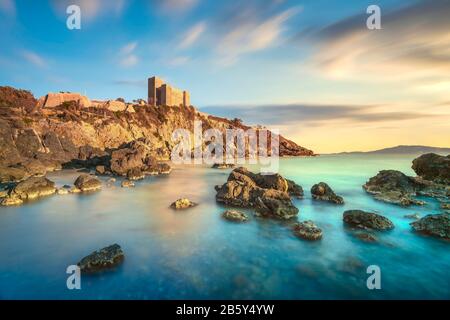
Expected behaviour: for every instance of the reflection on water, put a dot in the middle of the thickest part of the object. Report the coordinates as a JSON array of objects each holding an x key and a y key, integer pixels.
[{"x": 195, "y": 254}]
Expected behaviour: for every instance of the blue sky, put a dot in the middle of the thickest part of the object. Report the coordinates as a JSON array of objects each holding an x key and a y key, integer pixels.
[{"x": 234, "y": 56}]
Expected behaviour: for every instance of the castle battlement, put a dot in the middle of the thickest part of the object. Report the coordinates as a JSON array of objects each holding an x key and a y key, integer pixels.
[{"x": 162, "y": 94}]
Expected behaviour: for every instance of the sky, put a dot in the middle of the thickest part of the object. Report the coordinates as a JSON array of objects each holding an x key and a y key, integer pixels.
[{"x": 311, "y": 68}]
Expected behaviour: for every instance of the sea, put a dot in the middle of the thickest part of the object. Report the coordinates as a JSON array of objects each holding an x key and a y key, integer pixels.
[{"x": 196, "y": 254}]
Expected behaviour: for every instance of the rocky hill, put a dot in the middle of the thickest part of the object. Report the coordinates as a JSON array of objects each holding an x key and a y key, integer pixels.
[{"x": 35, "y": 138}]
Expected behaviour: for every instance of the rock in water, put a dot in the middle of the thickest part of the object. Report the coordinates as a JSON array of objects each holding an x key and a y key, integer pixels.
[
  {"x": 412, "y": 216},
  {"x": 307, "y": 230},
  {"x": 394, "y": 187},
  {"x": 266, "y": 193},
  {"x": 11, "y": 201},
  {"x": 234, "y": 215},
  {"x": 367, "y": 220},
  {"x": 294, "y": 189},
  {"x": 103, "y": 259},
  {"x": 223, "y": 166},
  {"x": 127, "y": 184},
  {"x": 323, "y": 192},
  {"x": 182, "y": 203},
  {"x": 100, "y": 169},
  {"x": 29, "y": 189},
  {"x": 135, "y": 174},
  {"x": 86, "y": 182},
  {"x": 433, "y": 167},
  {"x": 437, "y": 225}
]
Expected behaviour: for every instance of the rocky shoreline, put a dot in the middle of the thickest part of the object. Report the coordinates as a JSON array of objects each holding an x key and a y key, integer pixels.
[{"x": 35, "y": 140}]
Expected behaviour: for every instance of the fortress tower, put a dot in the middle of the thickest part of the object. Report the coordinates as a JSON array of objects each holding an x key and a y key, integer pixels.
[{"x": 162, "y": 94}]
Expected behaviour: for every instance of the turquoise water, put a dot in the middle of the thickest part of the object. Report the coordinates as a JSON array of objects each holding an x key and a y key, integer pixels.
[{"x": 195, "y": 254}]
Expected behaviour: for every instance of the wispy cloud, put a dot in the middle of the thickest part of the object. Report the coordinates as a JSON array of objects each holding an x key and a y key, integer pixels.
[
  {"x": 34, "y": 58},
  {"x": 8, "y": 7},
  {"x": 174, "y": 6},
  {"x": 249, "y": 29},
  {"x": 178, "y": 61},
  {"x": 192, "y": 35},
  {"x": 128, "y": 48},
  {"x": 127, "y": 57}
]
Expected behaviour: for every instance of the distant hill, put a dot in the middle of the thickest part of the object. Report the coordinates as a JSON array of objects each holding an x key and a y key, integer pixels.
[{"x": 404, "y": 150}]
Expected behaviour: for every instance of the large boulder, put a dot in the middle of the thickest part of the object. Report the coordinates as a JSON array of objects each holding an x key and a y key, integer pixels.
[
  {"x": 323, "y": 192},
  {"x": 433, "y": 167},
  {"x": 32, "y": 188},
  {"x": 52, "y": 100},
  {"x": 137, "y": 155},
  {"x": 102, "y": 259},
  {"x": 437, "y": 225},
  {"x": 16, "y": 98},
  {"x": 267, "y": 194},
  {"x": 394, "y": 187},
  {"x": 367, "y": 220},
  {"x": 12, "y": 174},
  {"x": 294, "y": 189},
  {"x": 87, "y": 182}
]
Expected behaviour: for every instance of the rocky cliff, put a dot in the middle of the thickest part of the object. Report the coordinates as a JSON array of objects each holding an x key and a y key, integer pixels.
[{"x": 35, "y": 139}]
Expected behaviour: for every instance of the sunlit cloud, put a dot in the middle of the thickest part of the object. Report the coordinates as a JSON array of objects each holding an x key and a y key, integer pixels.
[{"x": 414, "y": 44}]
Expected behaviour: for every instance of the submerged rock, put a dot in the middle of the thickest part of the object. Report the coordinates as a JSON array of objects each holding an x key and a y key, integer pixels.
[
  {"x": 62, "y": 191},
  {"x": 367, "y": 220},
  {"x": 307, "y": 230},
  {"x": 437, "y": 225},
  {"x": 223, "y": 166},
  {"x": 102, "y": 259},
  {"x": 127, "y": 184},
  {"x": 323, "y": 192},
  {"x": 11, "y": 201},
  {"x": 412, "y": 216},
  {"x": 433, "y": 167},
  {"x": 86, "y": 182},
  {"x": 394, "y": 187},
  {"x": 267, "y": 194},
  {"x": 234, "y": 215},
  {"x": 183, "y": 203},
  {"x": 366, "y": 237}
]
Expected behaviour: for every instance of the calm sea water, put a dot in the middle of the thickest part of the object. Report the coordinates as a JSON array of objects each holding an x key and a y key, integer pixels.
[{"x": 195, "y": 254}]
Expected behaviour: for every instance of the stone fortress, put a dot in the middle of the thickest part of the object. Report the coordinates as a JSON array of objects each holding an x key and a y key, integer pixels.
[
  {"x": 162, "y": 94},
  {"x": 159, "y": 94}
]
